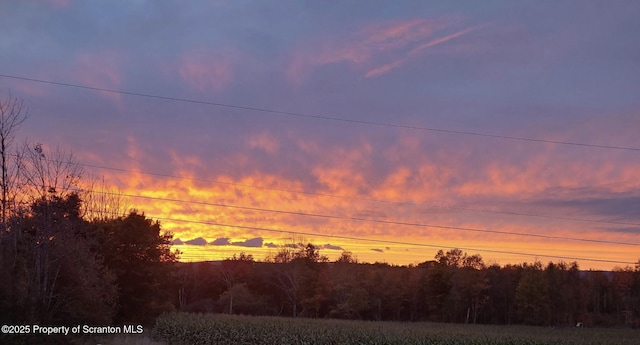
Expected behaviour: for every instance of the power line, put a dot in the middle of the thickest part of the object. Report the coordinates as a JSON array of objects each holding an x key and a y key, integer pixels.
[
  {"x": 362, "y": 239},
  {"x": 368, "y": 123},
  {"x": 402, "y": 203},
  {"x": 358, "y": 218},
  {"x": 379, "y": 221},
  {"x": 321, "y": 117},
  {"x": 352, "y": 238}
]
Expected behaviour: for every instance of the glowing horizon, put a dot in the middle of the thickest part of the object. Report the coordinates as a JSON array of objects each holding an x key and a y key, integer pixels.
[
  {"x": 274, "y": 204},
  {"x": 429, "y": 100}
]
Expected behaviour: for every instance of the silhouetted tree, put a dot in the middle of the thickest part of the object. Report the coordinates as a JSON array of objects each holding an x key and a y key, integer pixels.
[
  {"x": 563, "y": 284},
  {"x": 622, "y": 282},
  {"x": 472, "y": 285},
  {"x": 60, "y": 277},
  {"x": 140, "y": 256},
  {"x": 438, "y": 285},
  {"x": 235, "y": 273},
  {"x": 46, "y": 173},
  {"x": 503, "y": 283},
  {"x": 349, "y": 296},
  {"x": 532, "y": 296},
  {"x": 198, "y": 286},
  {"x": 13, "y": 113},
  {"x": 456, "y": 286},
  {"x": 102, "y": 202},
  {"x": 295, "y": 274}
]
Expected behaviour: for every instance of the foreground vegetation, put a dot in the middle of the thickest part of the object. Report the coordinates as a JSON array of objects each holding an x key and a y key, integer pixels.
[
  {"x": 121, "y": 339},
  {"x": 182, "y": 328}
]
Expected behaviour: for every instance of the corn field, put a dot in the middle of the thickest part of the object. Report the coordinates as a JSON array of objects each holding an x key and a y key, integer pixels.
[{"x": 193, "y": 329}]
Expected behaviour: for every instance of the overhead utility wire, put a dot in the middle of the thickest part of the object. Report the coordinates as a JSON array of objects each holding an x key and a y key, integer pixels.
[
  {"x": 379, "y": 221},
  {"x": 361, "y": 239},
  {"x": 347, "y": 197},
  {"x": 351, "y": 238},
  {"x": 321, "y": 117},
  {"x": 403, "y": 203}
]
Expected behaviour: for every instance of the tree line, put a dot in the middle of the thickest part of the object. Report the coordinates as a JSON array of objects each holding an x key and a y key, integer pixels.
[
  {"x": 67, "y": 256},
  {"x": 454, "y": 287}
]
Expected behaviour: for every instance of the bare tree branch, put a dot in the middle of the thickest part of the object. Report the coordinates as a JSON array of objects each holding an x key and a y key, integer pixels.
[{"x": 13, "y": 113}]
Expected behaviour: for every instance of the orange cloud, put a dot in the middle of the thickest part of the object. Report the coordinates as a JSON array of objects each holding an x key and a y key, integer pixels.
[
  {"x": 444, "y": 177},
  {"x": 343, "y": 182},
  {"x": 339, "y": 181}
]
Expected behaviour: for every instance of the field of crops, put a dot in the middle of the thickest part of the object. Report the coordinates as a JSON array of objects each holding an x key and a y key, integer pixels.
[{"x": 196, "y": 329}]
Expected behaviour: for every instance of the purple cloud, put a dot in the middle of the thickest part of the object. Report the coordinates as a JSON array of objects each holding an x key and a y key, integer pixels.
[
  {"x": 223, "y": 241},
  {"x": 331, "y": 247},
  {"x": 253, "y": 242},
  {"x": 197, "y": 242},
  {"x": 177, "y": 241}
]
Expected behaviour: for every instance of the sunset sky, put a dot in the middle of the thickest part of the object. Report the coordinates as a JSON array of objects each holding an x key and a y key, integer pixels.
[{"x": 388, "y": 129}]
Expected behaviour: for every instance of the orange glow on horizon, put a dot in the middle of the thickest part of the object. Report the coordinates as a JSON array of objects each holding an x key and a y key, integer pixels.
[
  {"x": 200, "y": 205},
  {"x": 414, "y": 209}
]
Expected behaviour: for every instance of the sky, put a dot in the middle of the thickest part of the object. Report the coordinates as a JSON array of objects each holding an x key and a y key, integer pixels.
[{"x": 388, "y": 129}]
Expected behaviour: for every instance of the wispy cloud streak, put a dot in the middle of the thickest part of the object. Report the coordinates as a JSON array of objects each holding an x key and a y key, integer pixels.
[
  {"x": 365, "y": 45},
  {"x": 416, "y": 51}
]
